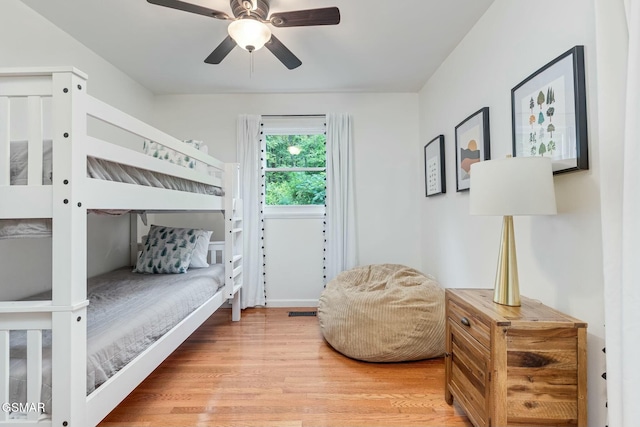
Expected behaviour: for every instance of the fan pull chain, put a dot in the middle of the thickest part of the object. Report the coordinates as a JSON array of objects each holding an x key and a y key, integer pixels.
[{"x": 250, "y": 65}]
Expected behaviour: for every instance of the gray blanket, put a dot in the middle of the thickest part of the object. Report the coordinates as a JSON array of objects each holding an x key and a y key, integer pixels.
[{"x": 127, "y": 313}]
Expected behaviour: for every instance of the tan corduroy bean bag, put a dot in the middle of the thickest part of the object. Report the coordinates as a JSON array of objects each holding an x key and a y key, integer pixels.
[{"x": 383, "y": 313}]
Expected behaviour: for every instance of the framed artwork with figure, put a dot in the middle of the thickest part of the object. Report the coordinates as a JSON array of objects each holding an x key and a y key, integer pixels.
[{"x": 472, "y": 145}]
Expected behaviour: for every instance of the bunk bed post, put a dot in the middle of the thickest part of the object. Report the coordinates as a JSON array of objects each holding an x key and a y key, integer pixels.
[
  {"x": 69, "y": 249},
  {"x": 5, "y": 137},
  {"x": 4, "y": 369},
  {"x": 133, "y": 238},
  {"x": 233, "y": 252}
]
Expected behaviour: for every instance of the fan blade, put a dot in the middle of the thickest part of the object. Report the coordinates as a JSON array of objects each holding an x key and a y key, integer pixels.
[
  {"x": 221, "y": 51},
  {"x": 189, "y": 7},
  {"x": 282, "y": 53},
  {"x": 302, "y": 18}
]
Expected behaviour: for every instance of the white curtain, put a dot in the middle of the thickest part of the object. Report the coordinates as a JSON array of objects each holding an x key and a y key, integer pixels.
[
  {"x": 620, "y": 200},
  {"x": 248, "y": 151},
  {"x": 340, "y": 228}
]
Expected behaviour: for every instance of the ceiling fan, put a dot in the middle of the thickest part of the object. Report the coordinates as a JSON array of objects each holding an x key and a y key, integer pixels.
[{"x": 248, "y": 28}]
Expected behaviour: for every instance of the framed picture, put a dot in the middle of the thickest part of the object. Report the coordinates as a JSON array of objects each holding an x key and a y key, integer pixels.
[
  {"x": 549, "y": 113},
  {"x": 434, "y": 177},
  {"x": 472, "y": 145}
]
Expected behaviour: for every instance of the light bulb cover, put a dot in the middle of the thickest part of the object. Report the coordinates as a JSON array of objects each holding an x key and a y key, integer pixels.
[{"x": 249, "y": 34}]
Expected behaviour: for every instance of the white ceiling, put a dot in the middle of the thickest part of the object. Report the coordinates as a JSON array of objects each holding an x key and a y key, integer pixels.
[{"x": 379, "y": 46}]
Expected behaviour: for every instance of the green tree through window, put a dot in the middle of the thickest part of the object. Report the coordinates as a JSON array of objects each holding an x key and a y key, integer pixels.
[{"x": 295, "y": 172}]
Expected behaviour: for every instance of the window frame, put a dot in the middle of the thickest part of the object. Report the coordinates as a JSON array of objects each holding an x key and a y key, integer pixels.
[{"x": 291, "y": 125}]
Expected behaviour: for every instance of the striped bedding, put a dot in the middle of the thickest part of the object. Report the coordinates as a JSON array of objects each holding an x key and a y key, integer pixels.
[
  {"x": 127, "y": 313},
  {"x": 96, "y": 168}
]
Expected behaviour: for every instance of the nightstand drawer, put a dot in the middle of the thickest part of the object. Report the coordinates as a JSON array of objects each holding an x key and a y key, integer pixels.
[
  {"x": 471, "y": 321},
  {"x": 469, "y": 380},
  {"x": 514, "y": 366}
]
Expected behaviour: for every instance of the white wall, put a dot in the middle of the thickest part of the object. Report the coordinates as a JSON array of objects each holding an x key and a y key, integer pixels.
[
  {"x": 294, "y": 267},
  {"x": 559, "y": 257},
  {"x": 28, "y": 40},
  {"x": 388, "y": 176}
]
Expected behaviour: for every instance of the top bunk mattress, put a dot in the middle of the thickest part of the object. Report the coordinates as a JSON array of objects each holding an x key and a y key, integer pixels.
[
  {"x": 96, "y": 168},
  {"x": 102, "y": 169},
  {"x": 127, "y": 313}
]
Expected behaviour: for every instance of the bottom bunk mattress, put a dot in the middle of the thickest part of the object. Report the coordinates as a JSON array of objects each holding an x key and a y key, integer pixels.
[{"x": 127, "y": 313}]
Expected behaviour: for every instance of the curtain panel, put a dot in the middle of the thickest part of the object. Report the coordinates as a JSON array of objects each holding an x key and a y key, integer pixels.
[
  {"x": 340, "y": 228},
  {"x": 249, "y": 157},
  {"x": 619, "y": 99}
]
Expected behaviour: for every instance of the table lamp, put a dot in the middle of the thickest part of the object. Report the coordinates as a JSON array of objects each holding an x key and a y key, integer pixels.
[{"x": 508, "y": 187}]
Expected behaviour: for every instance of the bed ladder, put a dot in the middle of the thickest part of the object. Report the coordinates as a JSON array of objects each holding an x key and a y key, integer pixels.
[{"x": 233, "y": 238}]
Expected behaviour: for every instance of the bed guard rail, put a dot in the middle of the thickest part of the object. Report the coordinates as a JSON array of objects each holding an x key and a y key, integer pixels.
[
  {"x": 35, "y": 317},
  {"x": 29, "y": 96}
]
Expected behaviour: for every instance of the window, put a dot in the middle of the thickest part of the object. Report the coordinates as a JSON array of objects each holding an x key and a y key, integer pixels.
[
  {"x": 296, "y": 168},
  {"x": 295, "y": 163}
]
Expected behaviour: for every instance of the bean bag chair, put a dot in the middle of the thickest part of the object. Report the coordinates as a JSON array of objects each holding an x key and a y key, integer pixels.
[{"x": 383, "y": 313}]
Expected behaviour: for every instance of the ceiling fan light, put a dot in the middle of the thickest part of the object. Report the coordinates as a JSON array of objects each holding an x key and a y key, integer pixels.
[{"x": 249, "y": 34}]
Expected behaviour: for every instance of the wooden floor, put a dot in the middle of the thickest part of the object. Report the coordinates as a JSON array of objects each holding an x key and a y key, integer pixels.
[{"x": 270, "y": 369}]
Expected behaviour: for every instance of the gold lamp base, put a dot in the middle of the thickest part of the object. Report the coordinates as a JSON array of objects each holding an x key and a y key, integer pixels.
[{"x": 506, "y": 289}]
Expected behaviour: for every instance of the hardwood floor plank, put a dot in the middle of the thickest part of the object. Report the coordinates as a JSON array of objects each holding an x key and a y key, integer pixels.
[{"x": 274, "y": 370}]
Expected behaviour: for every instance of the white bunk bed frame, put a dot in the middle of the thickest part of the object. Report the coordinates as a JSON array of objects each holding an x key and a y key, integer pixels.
[{"x": 66, "y": 201}]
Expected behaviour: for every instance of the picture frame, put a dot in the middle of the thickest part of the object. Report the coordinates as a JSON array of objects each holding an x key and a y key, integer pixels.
[
  {"x": 434, "y": 167},
  {"x": 549, "y": 113},
  {"x": 472, "y": 145}
]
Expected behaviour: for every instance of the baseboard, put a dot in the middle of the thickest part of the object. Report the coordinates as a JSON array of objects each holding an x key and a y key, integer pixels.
[
  {"x": 292, "y": 303},
  {"x": 285, "y": 303}
]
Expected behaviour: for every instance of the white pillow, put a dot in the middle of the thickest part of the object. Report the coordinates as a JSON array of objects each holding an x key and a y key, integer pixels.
[{"x": 200, "y": 252}]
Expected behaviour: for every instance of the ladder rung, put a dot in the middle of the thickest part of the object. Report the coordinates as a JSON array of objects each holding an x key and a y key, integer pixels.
[
  {"x": 236, "y": 258},
  {"x": 235, "y": 289},
  {"x": 237, "y": 271},
  {"x": 235, "y": 230}
]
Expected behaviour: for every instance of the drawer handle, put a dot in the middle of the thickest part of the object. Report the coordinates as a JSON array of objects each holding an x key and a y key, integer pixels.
[{"x": 465, "y": 321}]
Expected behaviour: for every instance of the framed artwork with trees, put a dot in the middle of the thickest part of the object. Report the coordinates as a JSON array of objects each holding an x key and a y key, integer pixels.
[{"x": 549, "y": 113}]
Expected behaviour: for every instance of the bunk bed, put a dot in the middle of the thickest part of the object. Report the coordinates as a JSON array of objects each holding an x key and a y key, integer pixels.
[{"x": 52, "y": 331}]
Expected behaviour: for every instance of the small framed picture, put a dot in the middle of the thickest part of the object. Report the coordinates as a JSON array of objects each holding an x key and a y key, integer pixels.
[
  {"x": 434, "y": 175},
  {"x": 549, "y": 113},
  {"x": 472, "y": 145}
]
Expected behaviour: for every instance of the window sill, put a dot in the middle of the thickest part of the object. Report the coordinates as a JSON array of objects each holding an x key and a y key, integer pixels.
[{"x": 291, "y": 212}]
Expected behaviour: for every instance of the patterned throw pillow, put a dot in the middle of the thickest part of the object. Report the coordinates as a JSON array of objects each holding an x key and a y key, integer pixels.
[
  {"x": 159, "y": 151},
  {"x": 167, "y": 250}
]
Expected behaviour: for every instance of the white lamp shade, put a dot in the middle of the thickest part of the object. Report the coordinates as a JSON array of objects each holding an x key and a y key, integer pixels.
[
  {"x": 512, "y": 186},
  {"x": 249, "y": 34}
]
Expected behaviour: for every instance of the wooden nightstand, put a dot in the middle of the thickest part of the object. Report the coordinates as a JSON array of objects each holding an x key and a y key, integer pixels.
[{"x": 514, "y": 366}]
